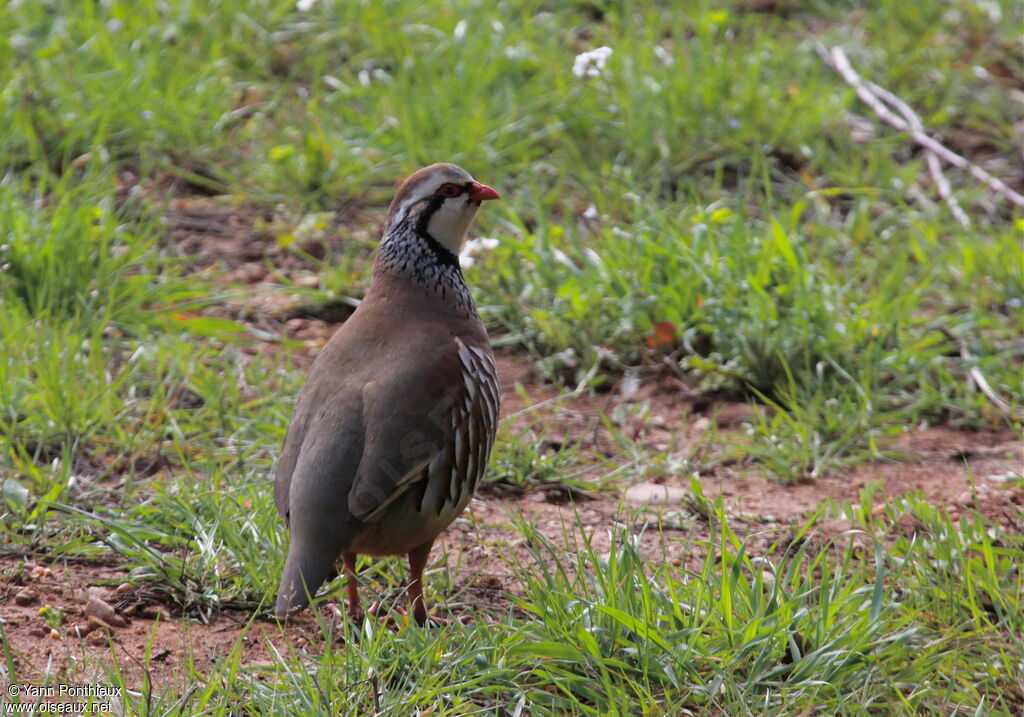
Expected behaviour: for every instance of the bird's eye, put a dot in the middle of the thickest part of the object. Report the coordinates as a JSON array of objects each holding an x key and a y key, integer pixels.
[{"x": 449, "y": 190}]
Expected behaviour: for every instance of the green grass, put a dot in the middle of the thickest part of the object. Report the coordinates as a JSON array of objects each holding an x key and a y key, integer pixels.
[
  {"x": 843, "y": 626},
  {"x": 703, "y": 203}
]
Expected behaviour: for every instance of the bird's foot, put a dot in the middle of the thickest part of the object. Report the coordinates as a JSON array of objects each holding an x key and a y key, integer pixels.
[
  {"x": 355, "y": 614},
  {"x": 383, "y": 614},
  {"x": 432, "y": 619},
  {"x": 437, "y": 621}
]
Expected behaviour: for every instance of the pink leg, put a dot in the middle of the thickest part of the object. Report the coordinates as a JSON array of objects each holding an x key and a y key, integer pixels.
[
  {"x": 354, "y": 611},
  {"x": 418, "y": 561}
]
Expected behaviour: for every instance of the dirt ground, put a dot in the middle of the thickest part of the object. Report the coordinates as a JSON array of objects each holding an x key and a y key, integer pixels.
[
  {"x": 478, "y": 548},
  {"x": 958, "y": 470}
]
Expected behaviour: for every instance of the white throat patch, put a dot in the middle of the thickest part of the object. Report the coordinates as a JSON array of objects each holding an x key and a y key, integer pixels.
[{"x": 450, "y": 221}]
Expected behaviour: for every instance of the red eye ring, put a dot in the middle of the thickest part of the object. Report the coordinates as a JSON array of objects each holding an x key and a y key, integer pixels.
[{"x": 449, "y": 190}]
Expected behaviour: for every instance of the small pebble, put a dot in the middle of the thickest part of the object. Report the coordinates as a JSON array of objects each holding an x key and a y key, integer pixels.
[
  {"x": 95, "y": 623},
  {"x": 83, "y": 630},
  {"x": 1002, "y": 477},
  {"x": 652, "y": 493},
  {"x": 154, "y": 612},
  {"x": 102, "y": 611},
  {"x": 97, "y": 638},
  {"x": 26, "y": 597},
  {"x": 249, "y": 273}
]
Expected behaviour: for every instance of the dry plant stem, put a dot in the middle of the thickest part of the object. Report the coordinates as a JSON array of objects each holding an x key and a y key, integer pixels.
[
  {"x": 836, "y": 59},
  {"x": 981, "y": 382},
  {"x": 934, "y": 165},
  {"x": 974, "y": 375}
]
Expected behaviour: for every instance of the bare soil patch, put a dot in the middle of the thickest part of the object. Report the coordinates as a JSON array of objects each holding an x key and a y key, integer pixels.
[
  {"x": 949, "y": 468},
  {"x": 152, "y": 640}
]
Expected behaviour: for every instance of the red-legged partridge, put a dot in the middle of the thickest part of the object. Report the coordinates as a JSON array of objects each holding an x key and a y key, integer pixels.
[{"x": 394, "y": 427}]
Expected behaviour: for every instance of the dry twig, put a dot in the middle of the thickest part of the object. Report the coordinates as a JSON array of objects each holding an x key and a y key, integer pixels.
[
  {"x": 876, "y": 97},
  {"x": 975, "y": 374},
  {"x": 975, "y": 378},
  {"x": 932, "y": 159}
]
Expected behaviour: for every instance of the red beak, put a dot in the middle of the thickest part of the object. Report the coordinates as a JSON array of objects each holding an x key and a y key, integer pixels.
[{"x": 481, "y": 193}]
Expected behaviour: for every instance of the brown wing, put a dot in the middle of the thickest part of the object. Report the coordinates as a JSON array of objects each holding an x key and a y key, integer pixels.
[
  {"x": 406, "y": 425},
  {"x": 431, "y": 427},
  {"x": 452, "y": 477},
  {"x": 323, "y": 446},
  {"x": 478, "y": 420}
]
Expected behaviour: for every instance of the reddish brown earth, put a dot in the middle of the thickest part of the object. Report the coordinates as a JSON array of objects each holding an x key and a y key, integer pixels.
[
  {"x": 477, "y": 550},
  {"x": 957, "y": 470}
]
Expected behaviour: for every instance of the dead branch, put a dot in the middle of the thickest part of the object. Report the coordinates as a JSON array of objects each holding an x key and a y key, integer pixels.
[
  {"x": 981, "y": 382},
  {"x": 975, "y": 378},
  {"x": 871, "y": 94},
  {"x": 932, "y": 159}
]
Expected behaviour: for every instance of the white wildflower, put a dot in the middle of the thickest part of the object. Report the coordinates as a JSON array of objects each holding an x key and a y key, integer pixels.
[
  {"x": 590, "y": 212},
  {"x": 460, "y": 30},
  {"x": 305, "y": 5},
  {"x": 19, "y": 43},
  {"x": 517, "y": 52},
  {"x": 591, "y": 64},
  {"x": 992, "y": 9},
  {"x": 562, "y": 258},
  {"x": 566, "y": 358},
  {"x": 664, "y": 56},
  {"x": 474, "y": 246},
  {"x": 652, "y": 84}
]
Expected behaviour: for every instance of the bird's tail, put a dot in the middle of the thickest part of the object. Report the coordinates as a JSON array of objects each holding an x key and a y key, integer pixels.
[{"x": 304, "y": 571}]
